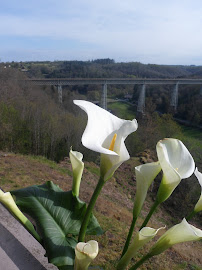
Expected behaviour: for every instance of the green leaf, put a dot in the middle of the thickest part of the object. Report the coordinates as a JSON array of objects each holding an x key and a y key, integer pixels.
[{"x": 58, "y": 216}]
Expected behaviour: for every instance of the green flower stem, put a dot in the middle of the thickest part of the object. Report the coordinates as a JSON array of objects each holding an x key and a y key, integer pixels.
[
  {"x": 129, "y": 236},
  {"x": 190, "y": 216},
  {"x": 76, "y": 187},
  {"x": 31, "y": 230},
  {"x": 80, "y": 265},
  {"x": 140, "y": 262},
  {"x": 152, "y": 210},
  {"x": 89, "y": 210},
  {"x": 26, "y": 223}
]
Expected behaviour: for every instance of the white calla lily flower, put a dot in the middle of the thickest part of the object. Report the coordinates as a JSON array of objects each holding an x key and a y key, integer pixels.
[
  {"x": 106, "y": 133},
  {"x": 198, "y": 206},
  {"x": 176, "y": 163},
  {"x": 145, "y": 174},
  {"x": 77, "y": 168},
  {"x": 182, "y": 232},
  {"x": 85, "y": 253},
  {"x": 7, "y": 200},
  {"x": 140, "y": 239}
]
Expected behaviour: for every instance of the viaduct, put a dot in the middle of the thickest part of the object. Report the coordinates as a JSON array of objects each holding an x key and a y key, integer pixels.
[{"x": 60, "y": 82}]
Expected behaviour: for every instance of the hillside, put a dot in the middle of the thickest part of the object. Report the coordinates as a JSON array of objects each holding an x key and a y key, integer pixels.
[
  {"x": 105, "y": 68},
  {"x": 113, "y": 208}
]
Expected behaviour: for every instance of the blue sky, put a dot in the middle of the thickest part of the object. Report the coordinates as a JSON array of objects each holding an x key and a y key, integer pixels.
[{"x": 147, "y": 31}]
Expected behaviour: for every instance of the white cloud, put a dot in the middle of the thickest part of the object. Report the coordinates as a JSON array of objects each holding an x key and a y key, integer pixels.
[{"x": 141, "y": 29}]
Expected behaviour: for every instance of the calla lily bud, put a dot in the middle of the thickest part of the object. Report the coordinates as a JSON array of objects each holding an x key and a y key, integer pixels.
[
  {"x": 145, "y": 174},
  {"x": 198, "y": 206},
  {"x": 77, "y": 168},
  {"x": 140, "y": 239},
  {"x": 182, "y": 232},
  {"x": 7, "y": 200},
  {"x": 106, "y": 133},
  {"x": 85, "y": 253},
  {"x": 176, "y": 163}
]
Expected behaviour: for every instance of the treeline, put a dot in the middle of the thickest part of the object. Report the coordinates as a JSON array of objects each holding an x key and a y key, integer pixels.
[
  {"x": 32, "y": 122},
  {"x": 105, "y": 68}
]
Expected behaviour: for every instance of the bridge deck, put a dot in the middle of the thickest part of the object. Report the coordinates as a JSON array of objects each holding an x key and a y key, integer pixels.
[{"x": 83, "y": 81}]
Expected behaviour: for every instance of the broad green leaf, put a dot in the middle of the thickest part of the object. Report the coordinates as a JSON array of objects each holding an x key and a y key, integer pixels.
[{"x": 58, "y": 216}]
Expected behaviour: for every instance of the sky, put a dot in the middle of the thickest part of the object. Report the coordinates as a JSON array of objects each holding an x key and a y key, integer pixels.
[{"x": 146, "y": 31}]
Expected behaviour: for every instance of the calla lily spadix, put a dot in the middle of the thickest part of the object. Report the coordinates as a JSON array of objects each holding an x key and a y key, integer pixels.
[
  {"x": 140, "y": 239},
  {"x": 85, "y": 253},
  {"x": 7, "y": 200},
  {"x": 77, "y": 168},
  {"x": 198, "y": 206},
  {"x": 145, "y": 174},
  {"x": 176, "y": 163},
  {"x": 106, "y": 133}
]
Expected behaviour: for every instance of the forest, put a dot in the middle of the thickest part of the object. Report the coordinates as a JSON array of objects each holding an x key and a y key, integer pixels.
[{"x": 32, "y": 120}]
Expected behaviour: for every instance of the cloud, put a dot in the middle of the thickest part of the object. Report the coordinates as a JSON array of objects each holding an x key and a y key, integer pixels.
[{"x": 131, "y": 29}]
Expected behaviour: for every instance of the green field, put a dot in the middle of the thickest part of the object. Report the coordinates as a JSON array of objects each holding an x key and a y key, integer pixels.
[{"x": 122, "y": 109}]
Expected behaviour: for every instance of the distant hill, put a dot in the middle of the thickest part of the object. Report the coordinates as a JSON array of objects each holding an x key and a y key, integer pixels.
[{"x": 105, "y": 68}]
